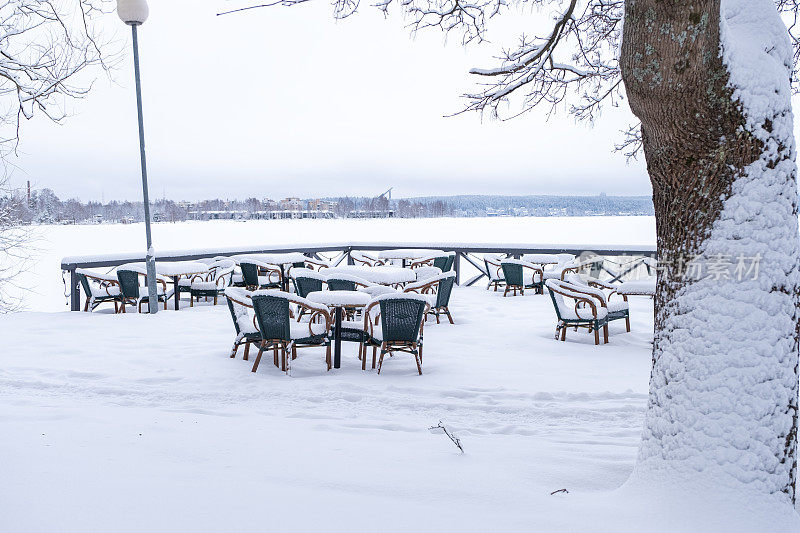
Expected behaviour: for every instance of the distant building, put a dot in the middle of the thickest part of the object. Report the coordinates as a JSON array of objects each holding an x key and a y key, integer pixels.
[
  {"x": 217, "y": 215},
  {"x": 290, "y": 204},
  {"x": 321, "y": 205}
]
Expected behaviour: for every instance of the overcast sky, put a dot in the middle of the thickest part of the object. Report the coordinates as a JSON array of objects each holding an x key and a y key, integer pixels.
[{"x": 287, "y": 101}]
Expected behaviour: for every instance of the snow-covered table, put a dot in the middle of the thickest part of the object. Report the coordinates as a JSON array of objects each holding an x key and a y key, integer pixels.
[
  {"x": 282, "y": 261},
  {"x": 639, "y": 287},
  {"x": 404, "y": 254},
  {"x": 171, "y": 269},
  {"x": 338, "y": 300},
  {"x": 382, "y": 275},
  {"x": 541, "y": 259}
]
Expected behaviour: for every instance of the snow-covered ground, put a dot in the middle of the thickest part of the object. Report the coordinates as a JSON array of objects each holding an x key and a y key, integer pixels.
[
  {"x": 137, "y": 423},
  {"x": 143, "y": 423}
]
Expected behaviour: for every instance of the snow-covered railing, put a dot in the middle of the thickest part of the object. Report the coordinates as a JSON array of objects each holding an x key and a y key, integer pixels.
[{"x": 463, "y": 250}]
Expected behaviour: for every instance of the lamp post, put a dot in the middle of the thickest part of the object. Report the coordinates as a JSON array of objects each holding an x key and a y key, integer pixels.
[{"x": 134, "y": 13}]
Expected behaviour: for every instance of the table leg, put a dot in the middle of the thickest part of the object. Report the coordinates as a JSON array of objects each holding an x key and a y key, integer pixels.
[
  {"x": 175, "y": 293},
  {"x": 337, "y": 339},
  {"x": 285, "y": 281}
]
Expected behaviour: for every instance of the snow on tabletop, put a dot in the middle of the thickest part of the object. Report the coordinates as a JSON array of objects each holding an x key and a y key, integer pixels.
[
  {"x": 638, "y": 286},
  {"x": 541, "y": 259},
  {"x": 169, "y": 268},
  {"x": 385, "y": 275},
  {"x": 340, "y": 298}
]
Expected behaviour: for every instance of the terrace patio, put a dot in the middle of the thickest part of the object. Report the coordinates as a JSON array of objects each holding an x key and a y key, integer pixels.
[{"x": 133, "y": 405}]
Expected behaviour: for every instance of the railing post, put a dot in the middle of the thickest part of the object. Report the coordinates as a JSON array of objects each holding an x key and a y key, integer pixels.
[
  {"x": 349, "y": 258},
  {"x": 74, "y": 291},
  {"x": 457, "y": 266}
]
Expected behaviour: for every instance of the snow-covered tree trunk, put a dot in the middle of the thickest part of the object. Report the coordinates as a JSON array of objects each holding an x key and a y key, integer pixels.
[{"x": 709, "y": 80}]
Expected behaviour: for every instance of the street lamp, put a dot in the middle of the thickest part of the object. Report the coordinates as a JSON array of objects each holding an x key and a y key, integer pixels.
[{"x": 134, "y": 13}]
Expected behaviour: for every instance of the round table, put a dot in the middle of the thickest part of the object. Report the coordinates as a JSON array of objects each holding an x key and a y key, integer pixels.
[
  {"x": 382, "y": 275},
  {"x": 404, "y": 254},
  {"x": 338, "y": 300}
]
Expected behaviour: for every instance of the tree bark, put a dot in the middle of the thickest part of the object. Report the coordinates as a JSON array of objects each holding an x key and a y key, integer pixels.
[{"x": 723, "y": 387}]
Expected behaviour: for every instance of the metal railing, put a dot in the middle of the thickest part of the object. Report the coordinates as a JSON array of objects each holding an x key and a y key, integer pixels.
[{"x": 465, "y": 255}]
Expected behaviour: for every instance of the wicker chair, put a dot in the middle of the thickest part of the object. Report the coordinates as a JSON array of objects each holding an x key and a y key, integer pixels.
[
  {"x": 346, "y": 282},
  {"x": 99, "y": 289},
  {"x": 494, "y": 271},
  {"x": 588, "y": 311},
  {"x": 521, "y": 275},
  {"x": 443, "y": 261},
  {"x": 213, "y": 284},
  {"x": 279, "y": 332},
  {"x": 394, "y": 323},
  {"x": 305, "y": 281},
  {"x": 246, "y": 332},
  {"x": 134, "y": 294},
  {"x": 437, "y": 293},
  {"x": 603, "y": 291},
  {"x": 427, "y": 272},
  {"x": 364, "y": 259},
  {"x": 253, "y": 280}
]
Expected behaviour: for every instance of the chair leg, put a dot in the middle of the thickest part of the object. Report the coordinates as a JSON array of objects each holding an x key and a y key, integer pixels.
[
  {"x": 86, "y": 306},
  {"x": 596, "y": 336},
  {"x": 419, "y": 363},
  {"x": 380, "y": 361},
  {"x": 605, "y": 334},
  {"x": 246, "y": 351},
  {"x": 328, "y": 356},
  {"x": 258, "y": 358},
  {"x": 165, "y": 303},
  {"x": 236, "y": 349},
  {"x": 564, "y": 334},
  {"x": 628, "y": 324},
  {"x": 294, "y": 352},
  {"x": 449, "y": 316},
  {"x": 191, "y": 300},
  {"x": 374, "y": 355},
  {"x": 275, "y": 354}
]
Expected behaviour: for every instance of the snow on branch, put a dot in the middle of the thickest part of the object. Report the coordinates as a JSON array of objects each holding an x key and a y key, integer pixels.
[
  {"x": 44, "y": 46},
  {"x": 577, "y": 57},
  {"x": 440, "y": 428}
]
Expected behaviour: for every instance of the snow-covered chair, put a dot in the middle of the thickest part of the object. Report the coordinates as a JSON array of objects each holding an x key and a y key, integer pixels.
[
  {"x": 443, "y": 261},
  {"x": 212, "y": 284},
  {"x": 306, "y": 281},
  {"x": 494, "y": 271},
  {"x": 364, "y": 258},
  {"x": 99, "y": 289},
  {"x": 566, "y": 262},
  {"x": 394, "y": 323},
  {"x": 427, "y": 272},
  {"x": 587, "y": 312},
  {"x": 437, "y": 293},
  {"x": 520, "y": 275},
  {"x": 135, "y": 294},
  {"x": 345, "y": 282},
  {"x": 254, "y": 280},
  {"x": 246, "y": 331},
  {"x": 279, "y": 332},
  {"x": 618, "y": 309}
]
